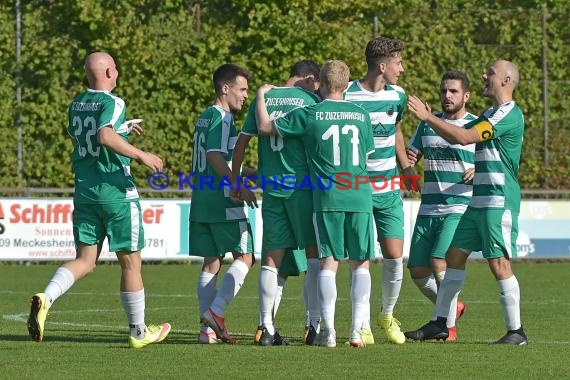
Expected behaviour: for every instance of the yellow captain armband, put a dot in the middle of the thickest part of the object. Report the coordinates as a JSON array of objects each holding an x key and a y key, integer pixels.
[{"x": 484, "y": 130}]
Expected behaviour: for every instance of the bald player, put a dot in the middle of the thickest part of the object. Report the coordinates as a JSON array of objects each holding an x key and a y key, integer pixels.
[
  {"x": 106, "y": 202},
  {"x": 490, "y": 223}
]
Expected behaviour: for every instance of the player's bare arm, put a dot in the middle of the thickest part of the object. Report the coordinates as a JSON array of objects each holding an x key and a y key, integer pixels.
[
  {"x": 218, "y": 162},
  {"x": 238, "y": 154},
  {"x": 402, "y": 157},
  {"x": 240, "y": 193},
  {"x": 449, "y": 132},
  {"x": 111, "y": 140},
  {"x": 265, "y": 125}
]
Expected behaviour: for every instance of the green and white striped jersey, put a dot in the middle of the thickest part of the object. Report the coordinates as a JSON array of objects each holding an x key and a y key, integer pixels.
[
  {"x": 279, "y": 157},
  {"x": 444, "y": 191},
  {"x": 497, "y": 157},
  {"x": 215, "y": 131},
  {"x": 101, "y": 175},
  {"x": 386, "y": 109}
]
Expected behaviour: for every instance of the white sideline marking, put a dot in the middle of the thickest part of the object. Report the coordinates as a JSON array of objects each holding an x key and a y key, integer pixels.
[
  {"x": 194, "y": 296},
  {"x": 23, "y": 318}
]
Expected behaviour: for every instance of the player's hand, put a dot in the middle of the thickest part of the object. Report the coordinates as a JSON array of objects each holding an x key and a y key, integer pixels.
[
  {"x": 151, "y": 161},
  {"x": 248, "y": 197},
  {"x": 137, "y": 129},
  {"x": 411, "y": 181},
  {"x": 134, "y": 125},
  {"x": 419, "y": 108},
  {"x": 264, "y": 89},
  {"x": 468, "y": 175},
  {"x": 412, "y": 156},
  {"x": 235, "y": 195}
]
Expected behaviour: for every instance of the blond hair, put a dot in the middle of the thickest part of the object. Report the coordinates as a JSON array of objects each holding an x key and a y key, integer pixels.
[{"x": 334, "y": 75}]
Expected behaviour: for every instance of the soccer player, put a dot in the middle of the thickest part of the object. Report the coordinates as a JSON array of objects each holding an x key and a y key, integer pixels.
[
  {"x": 446, "y": 193},
  {"x": 106, "y": 202},
  {"x": 287, "y": 212},
  {"x": 218, "y": 224},
  {"x": 490, "y": 223},
  {"x": 378, "y": 94},
  {"x": 338, "y": 136}
]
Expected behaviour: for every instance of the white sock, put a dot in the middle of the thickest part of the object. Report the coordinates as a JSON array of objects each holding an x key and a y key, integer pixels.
[
  {"x": 279, "y": 295},
  {"x": 134, "y": 304},
  {"x": 327, "y": 297},
  {"x": 428, "y": 287},
  {"x": 448, "y": 291},
  {"x": 366, "y": 317},
  {"x": 392, "y": 274},
  {"x": 439, "y": 276},
  {"x": 360, "y": 295},
  {"x": 452, "y": 311},
  {"x": 206, "y": 290},
  {"x": 267, "y": 293},
  {"x": 306, "y": 304},
  {"x": 510, "y": 297},
  {"x": 231, "y": 284},
  {"x": 311, "y": 286},
  {"x": 60, "y": 283}
]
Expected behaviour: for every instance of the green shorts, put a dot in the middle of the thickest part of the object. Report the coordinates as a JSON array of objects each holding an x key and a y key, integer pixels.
[
  {"x": 288, "y": 222},
  {"x": 216, "y": 239},
  {"x": 388, "y": 211},
  {"x": 121, "y": 223},
  {"x": 294, "y": 263},
  {"x": 492, "y": 231},
  {"x": 343, "y": 234},
  {"x": 431, "y": 238}
]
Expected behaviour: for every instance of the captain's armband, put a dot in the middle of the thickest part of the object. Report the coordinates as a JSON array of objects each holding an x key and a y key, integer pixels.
[{"x": 484, "y": 130}]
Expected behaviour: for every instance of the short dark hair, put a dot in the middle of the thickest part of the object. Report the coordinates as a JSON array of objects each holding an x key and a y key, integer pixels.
[
  {"x": 457, "y": 75},
  {"x": 381, "y": 48},
  {"x": 304, "y": 68},
  {"x": 227, "y": 74}
]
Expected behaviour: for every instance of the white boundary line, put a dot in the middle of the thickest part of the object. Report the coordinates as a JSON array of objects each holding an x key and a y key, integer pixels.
[
  {"x": 194, "y": 296},
  {"x": 23, "y": 318}
]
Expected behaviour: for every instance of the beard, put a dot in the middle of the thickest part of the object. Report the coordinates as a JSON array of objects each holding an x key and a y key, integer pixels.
[{"x": 452, "y": 108}]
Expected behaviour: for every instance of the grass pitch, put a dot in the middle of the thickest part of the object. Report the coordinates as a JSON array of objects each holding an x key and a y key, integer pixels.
[{"x": 86, "y": 330}]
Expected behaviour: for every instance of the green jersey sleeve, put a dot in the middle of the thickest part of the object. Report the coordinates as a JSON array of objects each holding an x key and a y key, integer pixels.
[
  {"x": 250, "y": 123},
  {"x": 506, "y": 119},
  {"x": 292, "y": 124},
  {"x": 112, "y": 108},
  {"x": 218, "y": 135}
]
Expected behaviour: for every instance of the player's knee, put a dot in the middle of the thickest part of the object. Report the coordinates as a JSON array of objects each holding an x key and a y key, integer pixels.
[
  {"x": 84, "y": 269},
  {"x": 247, "y": 258},
  {"x": 91, "y": 268},
  {"x": 501, "y": 268},
  {"x": 420, "y": 272}
]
